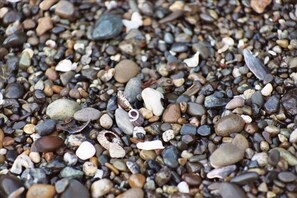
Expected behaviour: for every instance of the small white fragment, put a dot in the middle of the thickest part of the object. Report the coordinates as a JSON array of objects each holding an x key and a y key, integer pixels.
[
  {"x": 183, "y": 187},
  {"x": 1, "y": 99},
  {"x": 22, "y": 160},
  {"x": 247, "y": 119},
  {"x": 150, "y": 145},
  {"x": 266, "y": 91},
  {"x": 79, "y": 46},
  {"x": 293, "y": 136},
  {"x": 193, "y": 61},
  {"x": 134, "y": 23},
  {"x": 66, "y": 65},
  {"x": 168, "y": 135},
  {"x": 152, "y": 100},
  {"x": 51, "y": 43},
  {"x": 110, "y": 4}
]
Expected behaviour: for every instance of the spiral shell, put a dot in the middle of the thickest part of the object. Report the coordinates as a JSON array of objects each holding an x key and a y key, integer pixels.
[
  {"x": 136, "y": 118},
  {"x": 123, "y": 102}
]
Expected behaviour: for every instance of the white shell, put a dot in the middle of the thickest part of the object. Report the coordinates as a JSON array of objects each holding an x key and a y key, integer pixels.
[
  {"x": 152, "y": 100},
  {"x": 66, "y": 65},
  {"x": 150, "y": 145},
  {"x": 22, "y": 160},
  {"x": 193, "y": 61},
  {"x": 134, "y": 23}
]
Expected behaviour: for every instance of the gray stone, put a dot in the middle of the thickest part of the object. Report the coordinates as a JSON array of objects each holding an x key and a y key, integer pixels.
[
  {"x": 71, "y": 173},
  {"x": 170, "y": 156},
  {"x": 195, "y": 109},
  {"x": 132, "y": 89},
  {"x": 228, "y": 190},
  {"x": 87, "y": 114},
  {"x": 62, "y": 109},
  {"x": 32, "y": 176},
  {"x": 123, "y": 121},
  {"x": 46, "y": 127},
  {"x": 108, "y": 26},
  {"x": 75, "y": 190}
]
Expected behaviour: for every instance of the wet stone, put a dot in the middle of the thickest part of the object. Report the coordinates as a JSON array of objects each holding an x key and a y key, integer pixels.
[
  {"x": 108, "y": 26},
  {"x": 204, "y": 130},
  {"x": 14, "y": 91},
  {"x": 47, "y": 144},
  {"x": 232, "y": 123},
  {"x": 15, "y": 40},
  {"x": 75, "y": 189},
  {"x": 214, "y": 102},
  {"x": 170, "y": 156},
  {"x": 287, "y": 177},
  {"x": 272, "y": 104},
  {"x": 245, "y": 178},
  {"x": 231, "y": 190},
  {"x": 46, "y": 127}
]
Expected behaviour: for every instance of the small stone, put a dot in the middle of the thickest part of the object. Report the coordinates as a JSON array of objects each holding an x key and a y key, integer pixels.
[
  {"x": 245, "y": 178},
  {"x": 170, "y": 156},
  {"x": 75, "y": 190},
  {"x": 70, "y": 159},
  {"x": 286, "y": 177},
  {"x": 152, "y": 100},
  {"x": 293, "y": 136},
  {"x": 228, "y": 190},
  {"x": 21, "y": 161},
  {"x": 134, "y": 23},
  {"x": 183, "y": 187},
  {"x": 29, "y": 128},
  {"x": 259, "y": 5},
  {"x": 123, "y": 121},
  {"x": 46, "y": 4},
  {"x": 35, "y": 157},
  {"x": 47, "y": 144},
  {"x": 116, "y": 151},
  {"x": 188, "y": 129},
  {"x": 192, "y": 179},
  {"x": 132, "y": 192},
  {"x": 273, "y": 157},
  {"x": 222, "y": 172},
  {"x": 106, "y": 121},
  {"x": 108, "y": 26},
  {"x": 272, "y": 104},
  {"x": 232, "y": 123},
  {"x": 132, "y": 89},
  {"x": 261, "y": 158},
  {"x": 225, "y": 155},
  {"x": 101, "y": 187},
  {"x": 125, "y": 70},
  {"x": 193, "y": 61},
  {"x": 148, "y": 154},
  {"x": 89, "y": 169},
  {"x": 150, "y": 145},
  {"x": 64, "y": 9},
  {"x": 287, "y": 155},
  {"x": 65, "y": 66},
  {"x": 172, "y": 113},
  {"x": 15, "y": 40},
  {"x": 136, "y": 180},
  {"x": 14, "y": 91},
  {"x": 195, "y": 109},
  {"x": 212, "y": 101},
  {"x": 25, "y": 60},
  {"x": 41, "y": 191},
  {"x": 163, "y": 176},
  {"x": 289, "y": 101},
  {"x": 71, "y": 173},
  {"x": 87, "y": 114},
  {"x": 267, "y": 90},
  {"x": 204, "y": 130},
  {"x": 61, "y": 185},
  {"x": 62, "y": 109},
  {"x": 168, "y": 135},
  {"x": 46, "y": 127},
  {"x": 235, "y": 103},
  {"x": 44, "y": 25},
  {"x": 85, "y": 151}
]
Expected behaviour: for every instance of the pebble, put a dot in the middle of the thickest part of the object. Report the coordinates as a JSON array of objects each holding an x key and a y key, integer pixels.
[
  {"x": 225, "y": 155},
  {"x": 132, "y": 89},
  {"x": 35, "y": 157},
  {"x": 168, "y": 135},
  {"x": 134, "y": 23},
  {"x": 85, "y": 151},
  {"x": 287, "y": 155},
  {"x": 75, "y": 190},
  {"x": 71, "y": 173},
  {"x": 87, "y": 114},
  {"x": 70, "y": 159},
  {"x": 125, "y": 70},
  {"x": 183, "y": 187},
  {"x": 152, "y": 100},
  {"x": 222, "y": 172},
  {"x": 44, "y": 25},
  {"x": 46, "y": 127},
  {"x": 235, "y": 103},
  {"x": 273, "y": 157},
  {"x": 136, "y": 180},
  {"x": 259, "y": 5},
  {"x": 163, "y": 176},
  {"x": 147, "y": 155},
  {"x": 89, "y": 169},
  {"x": 228, "y": 190},
  {"x": 289, "y": 102},
  {"x": 232, "y": 123},
  {"x": 46, "y": 4},
  {"x": 116, "y": 151},
  {"x": 193, "y": 61},
  {"x": 293, "y": 136},
  {"x": 106, "y": 121},
  {"x": 29, "y": 128},
  {"x": 62, "y": 109},
  {"x": 272, "y": 104},
  {"x": 14, "y": 91},
  {"x": 204, "y": 130},
  {"x": 241, "y": 142},
  {"x": 8, "y": 184},
  {"x": 61, "y": 185},
  {"x": 212, "y": 101},
  {"x": 101, "y": 187},
  {"x": 267, "y": 90},
  {"x": 65, "y": 9},
  {"x": 132, "y": 193},
  {"x": 32, "y": 176},
  {"x": 108, "y": 26},
  {"x": 150, "y": 145},
  {"x": 245, "y": 178},
  {"x": 188, "y": 129},
  {"x": 25, "y": 60},
  {"x": 41, "y": 191},
  {"x": 195, "y": 109},
  {"x": 123, "y": 121},
  {"x": 192, "y": 179},
  {"x": 261, "y": 158},
  {"x": 15, "y": 40},
  {"x": 172, "y": 113},
  {"x": 21, "y": 161},
  {"x": 170, "y": 156},
  {"x": 47, "y": 144},
  {"x": 286, "y": 177},
  {"x": 65, "y": 66}
]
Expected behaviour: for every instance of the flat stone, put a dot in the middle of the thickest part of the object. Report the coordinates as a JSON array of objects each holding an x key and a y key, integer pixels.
[
  {"x": 212, "y": 101},
  {"x": 87, "y": 114},
  {"x": 41, "y": 191},
  {"x": 232, "y": 123},
  {"x": 241, "y": 142},
  {"x": 245, "y": 178},
  {"x": 170, "y": 156},
  {"x": 85, "y": 151},
  {"x": 64, "y": 9},
  {"x": 101, "y": 187},
  {"x": 75, "y": 190},
  {"x": 62, "y": 109},
  {"x": 125, "y": 70},
  {"x": 44, "y": 25},
  {"x": 195, "y": 109},
  {"x": 47, "y": 144},
  {"x": 228, "y": 190},
  {"x": 108, "y": 26},
  {"x": 225, "y": 155},
  {"x": 287, "y": 177},
  {"x": 235, "y": 103},
  {"x": 261, "y": 158},
  {"x": 132, "y": 192},
  {"x": 287, "y": 155},
  {"x": 46, "y": 4},
  {"x": 123, "y": 121},
  {"x": 71, "y": 173},
  {"x": 46, "y": 127},
  {"x": 222, "y": 172},
  {"x": 172, "y": 113},
  {"x": 132, "y": 89},
  {"x": 272, "y": 104}
]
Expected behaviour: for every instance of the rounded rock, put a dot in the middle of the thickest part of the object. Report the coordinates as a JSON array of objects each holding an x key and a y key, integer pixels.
[
  {"x": 85, "y": 151},
  {"x": 136, "y": 180},
  {"x": 172, "y": 113},
  {"x": 132, "y": 192},
  {"x": 229, "y": 124},
  {"x": 47, "y": 144},
  {"x": 125, "y": 70},
  {"x": 62, "y": 109},
  {"x": 41, "y": 191},
  {"x": 87, "y": 114},
  {"x": 64, "y": 9},
  {"x": 101, "y": 187},
  {"x": 46, "y": 127}
]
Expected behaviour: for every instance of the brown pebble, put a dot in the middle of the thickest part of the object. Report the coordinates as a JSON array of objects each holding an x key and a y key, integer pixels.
[
  {"x": 232, "y": 123},
  {"x": 29, "y": 24},
  {"x": 64, "y": 9},
  {"x": 47, "y": 144},
  {"x": 46, "y": 4},
  {"x": 51, "y": 74},
  {"x": 7, "y": 141},
  {"x": 259, "y": 5},
  {"x": 132, "y": 193},
  {"x": 112, "y": 168},
  {"x": 1, "y": 138},
  {"x": 44, "y": 24},
  {"x": 136, "y": 180},
  {"x": 41, "y": 191},
  {"x": 192, "y": 179},
  {"x": 57, "y": 89},
  {"x": 172, "y": 113},
  {"x": 125, "y": 70}
]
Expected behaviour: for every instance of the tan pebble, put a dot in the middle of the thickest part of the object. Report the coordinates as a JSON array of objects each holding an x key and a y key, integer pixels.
[
  {"x": 125, "y": 70},
  {"x": 29, "y": 24},
  {"x": 41, "y": 191},
  {"x": 259, "y": 5},
  {"x": 147, "y": 114},
  {"x": 136, "y": 180},
  {"x": 44, "y": 24},
  {"x": 235, "y": 102},
  {"x": 241, "y": 142},
  {"x": 172, "y": 113},
  {"x": 1, "y": 137},
  {"x": 132, "y": 192},
  {"x": 57, "y": 89},
  {"x": 35, "y": 157},
  {"x": 7, "y": 141},
  {"x": 112, "y": 168},
  {"x": 51, "y": 74},
  {"x": 283, "y": 43},
  {"x": 46, "y": 4}
]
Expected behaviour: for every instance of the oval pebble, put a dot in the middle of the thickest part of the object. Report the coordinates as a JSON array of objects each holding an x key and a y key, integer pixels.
[
  {"x": 87, "y": 114},
  {"x": 85, "y": 151},
  {"x": 232, "y": 123}
]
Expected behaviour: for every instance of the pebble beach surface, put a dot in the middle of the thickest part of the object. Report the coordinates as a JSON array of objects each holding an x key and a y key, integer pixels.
[{"x": 135, "y": 98}]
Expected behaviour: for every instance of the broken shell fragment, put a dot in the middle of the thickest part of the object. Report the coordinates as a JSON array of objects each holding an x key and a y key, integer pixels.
[
  {"x": 111, "y": 142},
  {"x": 150, "y": 145},
  {"x": 123, "y": 102}
]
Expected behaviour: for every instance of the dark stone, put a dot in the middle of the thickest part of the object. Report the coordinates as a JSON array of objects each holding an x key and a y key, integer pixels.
[
  {"x": 272, "y": 105},
  {"x": 11, "y": 17},
  {"x": 170, "y": 156},
  {"x": 228, "y": 190},
  {"x": 14, "y": 91},
  {"x": 289, "y": 101},
  {"x": 8, "y": 184},
  {"x": 215, "y": 102},
  {"x": 15, "y": 40},
  {"x": 153, "y": 165},
  {"x": 39, "y": 96},
  {"x": 108, "y": 26},
  {"x": 286, "y": 177},
  {"x": 47, "y": 144},
  {"x": 163, "y": 176},
  {"x": 257, "y": 98},
  {"x": 245, "y": 178},
  {"x": 75, "y": 190},
  {"x": 188, "y": 129},
  {"x": 273, "y": 157},
  {"x": 46, "y": 127},
  {"x": 192, "y": 179},
  {"x": 204, "y": 130}
]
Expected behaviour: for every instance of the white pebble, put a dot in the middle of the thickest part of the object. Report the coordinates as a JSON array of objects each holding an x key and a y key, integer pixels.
[
  {"x": 293, "y": 136},
  {"x": 266, "y": 91},
  {"x": 134, "y": 23},
  {"x": 101, "y": 187},
  {"x": 21, "y": 161},
  {"x": 183, "y": 187},
  {"x": 261, "y": 158},
  {"x": 35, "y": 157},
  {"x": 152, "y": 100},
  {"x": 168, "y": 135},
  {"x": 65, "y": 66},
  {"x": 85, "y": 151},
  {"x": 3, "y": 151},
  {"x": 150, "y": 145},
  {"x": 246, "y": 118},
  {"x": 79, "y": 46},
  {"x": 89, "y": 169},
  {"x": 193, "y": 61},
  {"x": 116, "y": 151}
]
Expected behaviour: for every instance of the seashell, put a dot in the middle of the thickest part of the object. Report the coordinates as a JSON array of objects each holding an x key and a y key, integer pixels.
[
  {"x": 114, "y": 146},
  {"x": 152, "y": 100},
  {"x": 138, "y": 130},
  {"x": 221, "y": 173},
  {"x": 136, "y": 118},
  {"x": 123, "y": 102},
  {"x": 150, "y": 145},
  {"x": 133, "y": 167},
  {"x": 22, "y": 160}
]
